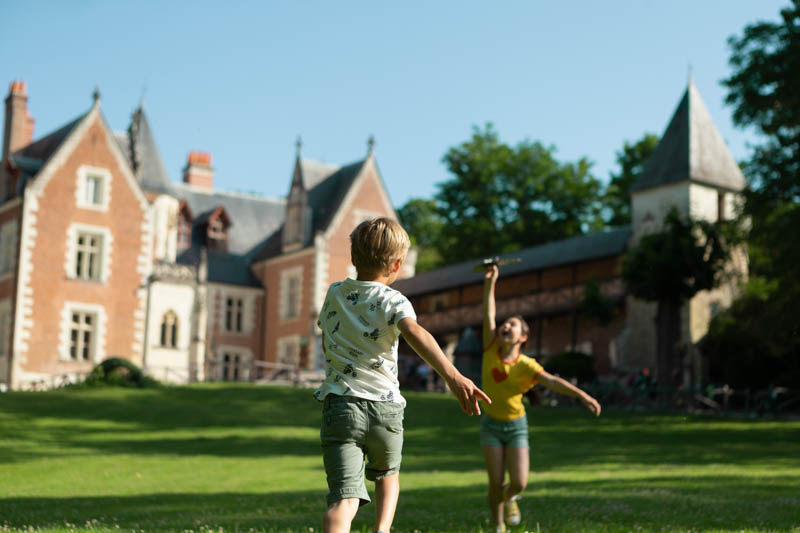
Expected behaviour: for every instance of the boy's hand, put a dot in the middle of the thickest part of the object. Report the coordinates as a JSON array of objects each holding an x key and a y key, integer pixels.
[{"x": 468, "y": 394}]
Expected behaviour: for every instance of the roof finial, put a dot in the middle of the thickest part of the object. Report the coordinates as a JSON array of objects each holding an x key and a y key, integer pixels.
[
  {"x": 690, "y": 74},
  {"x": 299, "y": 145},
  {"x": 370, "y": 144},
  {"x": 96, "y": 95}
]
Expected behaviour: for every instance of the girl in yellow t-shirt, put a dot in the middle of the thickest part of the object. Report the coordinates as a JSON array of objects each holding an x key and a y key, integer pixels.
[{"x": 507, "y": 375}]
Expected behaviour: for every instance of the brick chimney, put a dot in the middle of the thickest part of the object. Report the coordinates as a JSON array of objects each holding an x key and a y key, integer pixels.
[
  {"x": 18, "y": 131},
  {"x": 198, "y": 171}
]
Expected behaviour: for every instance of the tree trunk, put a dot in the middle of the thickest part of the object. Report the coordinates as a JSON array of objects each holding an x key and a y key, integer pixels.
[{"x": 668, "y": 332}]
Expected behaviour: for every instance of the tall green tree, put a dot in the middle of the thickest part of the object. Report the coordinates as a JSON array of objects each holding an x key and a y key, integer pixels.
[
  {"x": 422, "y": 221},
  {"x": 632, "y": 160},
  {"x": 762, "y": 324},
  {"x": 669, "y": 267},
  {"x": 502, "y": 198}
]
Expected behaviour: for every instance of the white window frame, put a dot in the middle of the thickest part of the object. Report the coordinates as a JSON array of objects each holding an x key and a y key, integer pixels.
[
  {"x": 106, "y": 240},
  {"x": 242, "y": 366},
  {"x": 168, "y": 334},
  {"x": 234, "y": 314},
  {"x": 289, "y": 276},
  {"x": 8, "y": 248},
  {"x": 289, "y": 345},
  {"x": 99, "y": 327},
  {"x": 103, "y": 177}
]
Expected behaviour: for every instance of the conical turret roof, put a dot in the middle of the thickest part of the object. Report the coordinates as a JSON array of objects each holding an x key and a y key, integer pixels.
[{"x": 691, "y": 149}]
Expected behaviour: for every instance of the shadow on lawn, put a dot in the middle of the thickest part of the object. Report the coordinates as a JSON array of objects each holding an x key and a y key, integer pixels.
[
  {"x": 249, "y": 421},
  {"x": 646, "y": 504}
]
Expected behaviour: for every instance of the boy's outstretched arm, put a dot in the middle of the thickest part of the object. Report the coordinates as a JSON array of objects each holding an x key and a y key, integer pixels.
[
  {"x": 561, "y": 386},
  {"x": 465, "y": 391}
]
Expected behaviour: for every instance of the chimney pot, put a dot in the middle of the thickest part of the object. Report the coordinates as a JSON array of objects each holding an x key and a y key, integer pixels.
[{"x": 198, "y": 171}]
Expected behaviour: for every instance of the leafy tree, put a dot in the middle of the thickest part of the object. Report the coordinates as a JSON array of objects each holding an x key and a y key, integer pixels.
[
  {"x": 503, "y": 198},
  {"x": 763, "y": 91},
  {"x": 669, "y": 267},
  {"x": 632, "y": 161},
  {"x": 421, "y": 220},
  {"x": 757, "y": 340}
]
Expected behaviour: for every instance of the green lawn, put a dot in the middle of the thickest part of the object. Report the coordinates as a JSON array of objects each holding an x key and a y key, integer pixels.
[{"x": 241, "y": 458}]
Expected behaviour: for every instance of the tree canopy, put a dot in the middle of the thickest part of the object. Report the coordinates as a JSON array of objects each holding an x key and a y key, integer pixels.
[
  {"x": 502, "y": 198},
  {"x": 632, "y": 160}
]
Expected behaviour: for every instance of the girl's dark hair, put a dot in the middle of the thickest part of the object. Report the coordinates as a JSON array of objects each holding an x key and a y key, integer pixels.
[{"x": 524, "y": 327}]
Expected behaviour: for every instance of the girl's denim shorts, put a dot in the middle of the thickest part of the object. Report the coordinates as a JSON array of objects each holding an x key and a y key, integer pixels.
[{"x": 505, "y": 433}]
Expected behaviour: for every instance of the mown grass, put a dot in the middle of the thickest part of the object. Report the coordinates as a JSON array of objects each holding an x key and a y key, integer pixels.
[{"x": 241, "y": 458}]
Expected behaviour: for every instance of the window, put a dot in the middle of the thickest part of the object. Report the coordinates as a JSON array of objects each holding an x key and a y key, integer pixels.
[
  {"x": 231, "y": 366},
  {"x": 94, "y": 190},
  {"x": 82, "y": 335},
  {"x": 94, "y": 187},
  {"x": 184, "y": 232},
  {"x": 234, "y": 310},
  {"x": 720, "y": 205},
  {"x": 8, "y": 247},
  {"x": 169, "y": 330},
  {"x": 291, "y": 293},
  {"x": 88, "y": 256},
  {"x": 289, "y": 350}
]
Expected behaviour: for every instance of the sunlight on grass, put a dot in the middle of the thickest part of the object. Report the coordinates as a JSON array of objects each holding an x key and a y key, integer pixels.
[{"x": 244, "y": 458}]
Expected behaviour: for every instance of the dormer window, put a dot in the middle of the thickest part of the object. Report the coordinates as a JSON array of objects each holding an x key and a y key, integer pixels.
[
  {"x": 184, "y": 226},
  {"x": 93, "y": 189},
  {"x": 217, "y": 225}
]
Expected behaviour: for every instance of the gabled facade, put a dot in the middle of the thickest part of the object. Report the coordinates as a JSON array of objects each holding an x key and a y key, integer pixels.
[
  {"x": 74, "y": 295},
  {"x": 101, "y": 255}
]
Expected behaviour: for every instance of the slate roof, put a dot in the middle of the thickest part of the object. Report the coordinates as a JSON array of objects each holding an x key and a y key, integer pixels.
[
  {"x": 232, "y": 269},
  {"x": 691, "y": 149},
  {"x": 324, "y": 199},
  {"x": 567, "y": 251},
  {"x": 33, "y": 157},
  {"x": 254, "y": 218},
  {"x": 144, "y": 155}
]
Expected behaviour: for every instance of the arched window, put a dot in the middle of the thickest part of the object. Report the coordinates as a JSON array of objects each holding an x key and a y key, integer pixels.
[{"x": 169, "y": 330}]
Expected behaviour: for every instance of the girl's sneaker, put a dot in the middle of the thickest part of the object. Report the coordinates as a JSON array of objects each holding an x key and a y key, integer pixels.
[{"x": 511, "y": 509}]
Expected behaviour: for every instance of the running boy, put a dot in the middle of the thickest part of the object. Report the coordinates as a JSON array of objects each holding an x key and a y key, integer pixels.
[
  {"x": 362, "y": 412},
  {"x": 507, "y": 374}
]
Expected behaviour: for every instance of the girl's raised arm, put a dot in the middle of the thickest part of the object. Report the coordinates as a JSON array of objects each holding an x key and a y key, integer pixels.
[{"x": 489, "y": 281}]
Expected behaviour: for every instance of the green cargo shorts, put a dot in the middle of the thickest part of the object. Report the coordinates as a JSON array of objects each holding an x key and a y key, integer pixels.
[{"x": 353, "y": 428}]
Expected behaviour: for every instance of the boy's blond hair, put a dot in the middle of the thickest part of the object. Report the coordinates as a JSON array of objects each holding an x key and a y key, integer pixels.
[{"x": 377, "y": 243}]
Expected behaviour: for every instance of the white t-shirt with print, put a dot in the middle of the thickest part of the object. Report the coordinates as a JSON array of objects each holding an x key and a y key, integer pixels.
[{"x": 359, "y": 320}]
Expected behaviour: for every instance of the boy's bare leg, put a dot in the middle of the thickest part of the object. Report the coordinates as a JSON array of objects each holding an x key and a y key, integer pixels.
[
  {"x": 387, "y": 490},
  {"x": 518, "y": 463},
  {"x": 495, "y": 468},
  {"x": 340, "y": 515}
]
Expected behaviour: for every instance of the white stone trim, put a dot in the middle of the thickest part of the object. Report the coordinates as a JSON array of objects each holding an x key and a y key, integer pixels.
[
  {"x": 105, "y": 249},
  {"x": 84, "y": 171},
  {"x": 23, "y": 308},
  {"x": 288, "y": 274},
  {"x": 322, "y": 260},
  {"x": 99, "y": 340}
]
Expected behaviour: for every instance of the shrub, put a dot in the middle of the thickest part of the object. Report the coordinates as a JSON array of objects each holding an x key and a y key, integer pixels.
[{"x": 118, "y": 372}]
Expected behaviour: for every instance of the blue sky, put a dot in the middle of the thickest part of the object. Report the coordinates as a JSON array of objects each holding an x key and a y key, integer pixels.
[{"x": 243, "y": 79}]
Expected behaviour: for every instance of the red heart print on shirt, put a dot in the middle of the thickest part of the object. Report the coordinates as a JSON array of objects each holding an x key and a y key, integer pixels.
[{"x": 498, "y": 375}]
